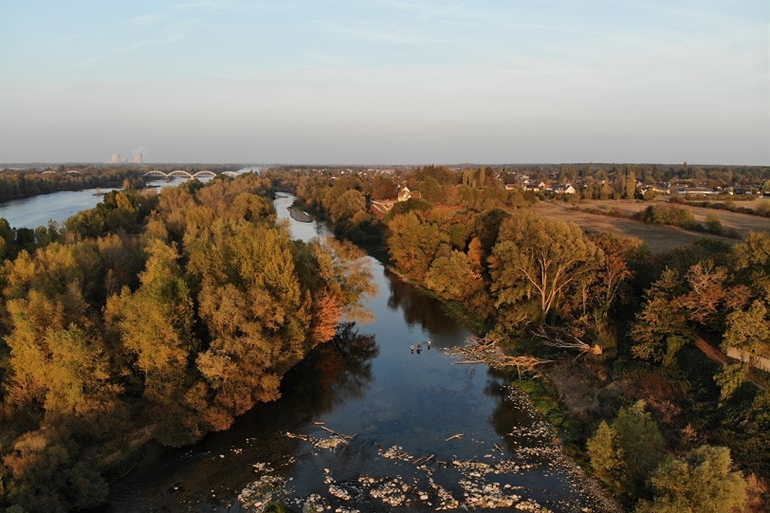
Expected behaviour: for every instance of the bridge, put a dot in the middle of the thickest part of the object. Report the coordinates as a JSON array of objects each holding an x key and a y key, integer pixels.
[{"x": 185, "y": 174}]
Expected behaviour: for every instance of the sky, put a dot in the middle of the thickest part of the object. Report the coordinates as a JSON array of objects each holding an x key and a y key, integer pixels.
[{"x": 382, "y": 82}]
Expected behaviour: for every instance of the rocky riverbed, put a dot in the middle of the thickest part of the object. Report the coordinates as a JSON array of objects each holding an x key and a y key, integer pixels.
[{"x": 395, "y": 480}]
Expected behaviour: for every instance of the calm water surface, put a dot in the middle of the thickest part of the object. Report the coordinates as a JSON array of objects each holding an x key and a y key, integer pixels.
[
  {"x": 421, "y": 430},
  {"x": 59, "y": 206}
]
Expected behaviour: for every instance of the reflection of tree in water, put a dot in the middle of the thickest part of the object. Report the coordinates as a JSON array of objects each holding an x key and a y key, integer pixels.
[
  {"x": 506, "y": 415},
  {"x": 421, "y": 309},
  {"x": 333, "y": 372}
]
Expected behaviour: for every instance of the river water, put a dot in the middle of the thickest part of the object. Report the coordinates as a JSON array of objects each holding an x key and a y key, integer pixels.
[
  {"x": 368, "y": 425},
  {"x": 59, "y": 206}
]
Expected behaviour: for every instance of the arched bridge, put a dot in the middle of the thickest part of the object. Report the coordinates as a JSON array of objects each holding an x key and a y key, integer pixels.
[{"x": 186, "y": 174}]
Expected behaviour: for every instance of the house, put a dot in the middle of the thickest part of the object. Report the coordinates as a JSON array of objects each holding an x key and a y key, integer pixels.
[
  {"x": 404, "y": 194},
  {"x": 697, "y": 191},
  {"x": 532, "y": 186},
  {"x": 563, "y": 189}
]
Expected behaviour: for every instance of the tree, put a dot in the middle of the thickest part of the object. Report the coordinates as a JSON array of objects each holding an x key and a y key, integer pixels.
[
  {"x": 347, "y": 205},
  {"x": 540, "y": 258},
  {"x": 752, "y": 262},
  {"x": 431, "y": 190},
  {"x": 749, "y": 331},
  {"x": 631, "y": 184},
  {"x": 156, "y": 328},
  {"x": 451, "y": 277},
  {"x": 615, "y": 271},
  {"x": 606, "y": 458},
  {"x": 476, "y": 257},
  {"x": 623, "y": 454},
  {"x": 343, "y": 276},
  {"x": 660, "y": 329},
  {"x": 413, "y": 244},
  {"x": 256, "y": 314},
  {"x": 700, "y": 482},
  {"x": 713, "y": 223}
]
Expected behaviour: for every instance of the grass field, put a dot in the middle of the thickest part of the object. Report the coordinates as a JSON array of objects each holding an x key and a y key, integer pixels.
[{"x": 658, "y": 238}]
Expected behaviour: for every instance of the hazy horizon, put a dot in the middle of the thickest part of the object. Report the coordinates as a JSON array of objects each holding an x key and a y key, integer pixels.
[
  {"x": 385, "y": 82},
  {"x": 12, "y": 165}
]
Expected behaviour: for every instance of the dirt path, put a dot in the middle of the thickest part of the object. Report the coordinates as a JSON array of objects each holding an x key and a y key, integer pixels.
[{"x": 718, "y": 356}]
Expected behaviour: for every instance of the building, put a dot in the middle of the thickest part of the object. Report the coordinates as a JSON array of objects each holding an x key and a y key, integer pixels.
[
  {"x": 115, "y": 158},
  {"x": 563, "y": 189}
]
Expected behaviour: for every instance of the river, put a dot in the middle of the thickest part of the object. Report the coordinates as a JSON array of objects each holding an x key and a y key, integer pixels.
[
  {"x": 368, "y": 425},
  {"x": 59, "y": 206}
]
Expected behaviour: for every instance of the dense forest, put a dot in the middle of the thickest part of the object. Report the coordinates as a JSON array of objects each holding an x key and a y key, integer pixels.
[
  {"x": 667, "y": 429},
  {"x": 153, "y": 318}
]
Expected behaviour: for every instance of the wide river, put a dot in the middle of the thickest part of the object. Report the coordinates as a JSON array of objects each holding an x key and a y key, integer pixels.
[
  {"x": 366, "y": 424},
  {"x": 59, "y": 206}
]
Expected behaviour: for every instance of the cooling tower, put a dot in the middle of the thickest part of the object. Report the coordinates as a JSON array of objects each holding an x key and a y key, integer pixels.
[
  {"x": 115, "y": 158},
  {"x": 138, "y": 159}
]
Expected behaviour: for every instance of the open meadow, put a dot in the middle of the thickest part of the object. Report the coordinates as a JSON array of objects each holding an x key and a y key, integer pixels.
[{"x": 659, "y": 238}]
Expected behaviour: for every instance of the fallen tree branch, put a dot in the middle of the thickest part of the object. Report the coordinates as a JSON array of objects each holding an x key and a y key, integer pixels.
[
  {"x": 560, "y": 339},
  {"x": 486, "y": 351}
]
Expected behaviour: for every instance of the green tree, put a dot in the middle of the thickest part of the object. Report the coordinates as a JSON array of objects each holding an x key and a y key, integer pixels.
[
  {"x": 631, "y": 184},
  {"x": 624, "y": 453},
  {"x": 749, "y": 330},
  {"x": 540, "y": 258},
  {"x": 413, "y": 244},
  {"x": 431, "y": 190},
  {"x": 347, "y": 205},
  {"x": 701, "y": 482},
  {"x": 713, "y": 223},
  {"x": 451, "y": 277},
  {"x": 660, "y": 329}
]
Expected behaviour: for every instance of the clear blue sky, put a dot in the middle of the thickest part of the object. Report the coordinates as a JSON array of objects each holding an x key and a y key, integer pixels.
[{"x": 386, "y": 81}]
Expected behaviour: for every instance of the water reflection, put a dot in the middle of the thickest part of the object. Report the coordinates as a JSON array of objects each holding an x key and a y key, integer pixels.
[
  {"x": 333, "y": 373},
  {"x": 424, "y": 312}
]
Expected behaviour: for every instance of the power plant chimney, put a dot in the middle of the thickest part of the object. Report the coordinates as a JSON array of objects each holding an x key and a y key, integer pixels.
[
  {"x": 137, "y": 157},
  {"x": 115, "y": 158}
]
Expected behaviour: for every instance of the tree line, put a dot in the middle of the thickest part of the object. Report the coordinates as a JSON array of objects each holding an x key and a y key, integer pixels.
[{"x": 154, "y": 318}]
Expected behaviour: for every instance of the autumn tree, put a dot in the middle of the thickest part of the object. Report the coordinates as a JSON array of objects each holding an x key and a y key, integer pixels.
[
  {"x": 413, "y": 244},
  {"x": 347, "y": 205},
  {"x": 452, "y": 277},
  {"x": 615, "y": 271},
  {"x": 538, "y": 259},
  {"x": 254, "y": 311}
]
